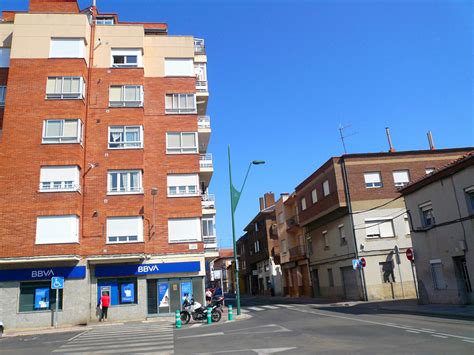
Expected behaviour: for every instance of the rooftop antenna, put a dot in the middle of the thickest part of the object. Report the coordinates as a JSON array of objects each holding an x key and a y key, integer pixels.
[{"x": 343, "y": 137}]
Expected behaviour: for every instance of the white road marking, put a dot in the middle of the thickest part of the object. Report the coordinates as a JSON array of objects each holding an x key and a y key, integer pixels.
[
  {"x": 257, "y": 351},
  {"x": 439, "y": 336},
  {"x": 195, "y": 325},
  {"x": 469, "y": 341},
  {"x": 285, "y": 305},
  {"x": 428, "y": 330},
  {"x": 255, "y": 309},
  {"x": 412, "y": 331},
  {"x": 77, "y": 336},
  {"x": 202, "y": 335},
  {"x": 270, "y": 307}
]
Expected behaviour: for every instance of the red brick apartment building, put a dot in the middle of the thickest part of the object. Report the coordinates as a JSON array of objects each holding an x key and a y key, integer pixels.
[
  {"x": 103, "y": 165},
  {"x": 351, "y": 208}
]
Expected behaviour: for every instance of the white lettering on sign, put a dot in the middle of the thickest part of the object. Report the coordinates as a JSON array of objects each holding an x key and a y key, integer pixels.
[
  {"x": 148, "y": 268},
  {"x": 42, "y": 273}
]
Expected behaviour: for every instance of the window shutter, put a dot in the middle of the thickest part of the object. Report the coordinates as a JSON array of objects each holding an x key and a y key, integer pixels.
[
  {"x": 59, "y": 173},
  {"x": 372, "y": 178},
  {"x": 183, "y": 180},
  {"x": 51, "y": 86},
  {"x": 179, "y": 67},
  {"x": 174, "y": 140},
  {"x": 115, "y": 93},
  {"x": 386, "y": 229},
  {"x": 401, "y": 176},
  {"x": 184, "y": 229},
  {"x": 67, "y": 48},
  {"x": 57, "y": 229},
  {"x": 189, "y": 140},
  {"x": 372, "y": 228},
  {"x": 125, "y": 226}
]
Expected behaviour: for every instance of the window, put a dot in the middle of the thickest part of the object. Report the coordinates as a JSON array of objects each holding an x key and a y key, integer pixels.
[
  {"x": 309, "y": 242},
  {"x": 183, "y": 185},
  {"x": 179, "y": 67},
  {"x": 183, "y": 230},
  {"x": 3, "y": 93},
  {"x": 470, "y": 199},
  {"x": 401, "y": 178},
  {"x": 65, "y": 87},
  {"x": 125, "y": 137},
  {"x": 104, "y": 21},
  {"x": 124, "y": 229},
  {"x": 126, "y": 96},
  {"x": 121, "y": 291},
  {"x": 303, "y": 204},
  {"x": 125, "y": 182},
  {"x": 67, "y": 48},
  {"x": 372, "y": 180},
  {"x": 62, "y": 131},
  {"x": 330, "y": 278},
  {"x": 381, "y": 228},
  {"x": 59, "y": 179},
  {"x": 429, "y": 170},
  {"x": 38, "y": 296},
  {"x": 325, "y": 239},
  {"x": 281, "y": 218},
  {"x": 4, "y": 57},
  {"x": 427, "y": 217},
  {"x": 181, "y": 142},
  {"x": 57, "y": 229},
  {"x": 127, "y": 58},
  {"x": 256, "y": 246},
  {"x": 407, "y": 225},
  {"x": 284, "y": 246},
  {"x": 208, "y": 228},
  {"x": 256, "y": 226},
  {"x": 326, "y": 188},
  {"x": 314, "y": 196},
  {"x": 437, "y": 274},
  {"x": 180, "y": 103},
  {"x": 342, "y": 234}
]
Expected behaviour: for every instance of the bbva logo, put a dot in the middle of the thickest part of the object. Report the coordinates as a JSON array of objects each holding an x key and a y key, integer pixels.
[
  {"x": 42, "y": 273},
  {"x": 148, "y": 268}
]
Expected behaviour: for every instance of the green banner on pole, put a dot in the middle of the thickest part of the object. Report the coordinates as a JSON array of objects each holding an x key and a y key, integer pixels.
[{"x": 235, "y": 197}]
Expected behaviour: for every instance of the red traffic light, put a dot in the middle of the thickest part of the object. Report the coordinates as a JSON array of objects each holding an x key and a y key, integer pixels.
[
  {"x": 363, "y": 262},
  {"x": 409, "y": 254}
]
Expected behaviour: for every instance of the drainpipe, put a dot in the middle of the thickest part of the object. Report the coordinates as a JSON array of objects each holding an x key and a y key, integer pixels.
[{"x": 349, "y": 208}]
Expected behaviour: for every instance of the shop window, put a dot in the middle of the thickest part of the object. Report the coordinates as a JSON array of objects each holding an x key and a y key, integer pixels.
[
  {"x": 121, "y": 291},
  {"x": 38, "y": 296}
]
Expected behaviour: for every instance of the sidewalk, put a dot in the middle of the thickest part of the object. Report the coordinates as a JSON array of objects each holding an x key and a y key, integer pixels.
[{"x": 434, "y": 310}]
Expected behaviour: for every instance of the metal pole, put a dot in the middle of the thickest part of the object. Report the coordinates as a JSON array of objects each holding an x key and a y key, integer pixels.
[
  {"x": 57, "y": 309},
  {"x": 401, "y": 281},
  {"x": 414, "y": 279},
  {"x": 236, "y": 270}
]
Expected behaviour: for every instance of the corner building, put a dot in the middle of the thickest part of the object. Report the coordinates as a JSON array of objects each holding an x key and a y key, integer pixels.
[{"x": 104, "y": 170}]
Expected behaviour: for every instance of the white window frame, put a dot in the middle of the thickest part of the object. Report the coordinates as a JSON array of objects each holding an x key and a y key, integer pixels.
[
  {"x": 423, "y": 208},
  {"x": 256, "y": 246},
  {"x": 126, "y": 144},
  {"x": 128, "y": 190},
  {"x": 206, "y": 220},
  {"x": 66, "y": 95},
  {"x": 195, "y": 150},
  {"x": 126, "y": 53},
  {"x": 198, "y": 231},
  {"x": 104, "y": 20},
  {"x": 3, "y": 95},
  {"x": 5, "y": 57},
  {"x": 314, "y": 196},
  {"x": 170, "y": 71},
  {"x": 73, "y": 236},
  {"x": 469, "y": 191},
  {"x": 59, "y": 185},
  {"x": 179, "y": 110},
  {"x": 61, "y": 139},
  {"x": 59, "y": 39},
  {"x": 183, "y": 190},
  {"x": 122, "y": 102},
  {"x": 373, "y": 184},
  {"x": 377, "y": 222},
  {"x": 401, "y": 183},
  {"x": 326, "y": 191},
  {"x": 138, "y": 238},
  {"x": 303, "y": 204}
]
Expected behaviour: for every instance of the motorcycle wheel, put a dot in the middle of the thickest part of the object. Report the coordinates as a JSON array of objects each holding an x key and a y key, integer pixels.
[
  {"x": 216, "y": 316},
  {"x": 185, "y": 317}
]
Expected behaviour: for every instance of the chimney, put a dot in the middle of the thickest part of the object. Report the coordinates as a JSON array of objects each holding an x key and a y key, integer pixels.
[
  {"x": 262, "y": 204},
  {"x": 54, "y": 6},
  {"x": 430, "y": 140},
  {"x": 269, "y": 199},
  {"x": 389, "y": 137}
]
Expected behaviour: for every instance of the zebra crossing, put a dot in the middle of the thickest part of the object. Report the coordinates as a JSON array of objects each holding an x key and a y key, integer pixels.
[
  {"x": 259, "y": 308},
  {"x": 145, "y": 338}
]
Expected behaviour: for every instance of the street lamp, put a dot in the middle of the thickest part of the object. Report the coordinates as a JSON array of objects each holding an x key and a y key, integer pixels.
[{"x": 234, "y": 200}]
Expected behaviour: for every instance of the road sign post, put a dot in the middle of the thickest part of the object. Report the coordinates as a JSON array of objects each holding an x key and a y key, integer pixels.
[
  {"x": 411, "y": 257},
  {"x": 57, "y": 283},
  {"x": 397, "y": 258}
]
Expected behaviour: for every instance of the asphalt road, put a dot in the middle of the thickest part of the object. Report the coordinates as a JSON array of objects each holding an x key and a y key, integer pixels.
[{"x": 281, "y": 327}]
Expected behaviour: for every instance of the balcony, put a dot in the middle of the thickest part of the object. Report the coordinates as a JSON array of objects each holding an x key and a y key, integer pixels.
[
  {"x": 199, "y": 47},
  {"x": 206, "y": 168},
  {"x": 204, "y": 132},
  {"x": 208, "y": 203},
  {"x": 292, "y": 224},
  {"x": 297, "y": 253},
  {"x": 210, "y": 243}
]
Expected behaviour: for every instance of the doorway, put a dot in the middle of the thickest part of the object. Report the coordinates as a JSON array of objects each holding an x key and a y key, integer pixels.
[
  {"x": 316, "y": 289},
  {"x": 463, "y": 280}
]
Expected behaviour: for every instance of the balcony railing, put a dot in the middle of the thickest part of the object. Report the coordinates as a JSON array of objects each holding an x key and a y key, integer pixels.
[
  {"x": 297, "y": 252},
  {"x": 204, "y": 122},
  {"x": 199, "y": 47},
  {"x": 205, "y": 161},
  {"x": 201, "y": 85},
  {"x": 292, "y": 222},
  {"x": 208, "y": 201}
]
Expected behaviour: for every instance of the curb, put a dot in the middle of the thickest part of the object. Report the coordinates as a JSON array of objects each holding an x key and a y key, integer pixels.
[{"x": 429, "y": 313}]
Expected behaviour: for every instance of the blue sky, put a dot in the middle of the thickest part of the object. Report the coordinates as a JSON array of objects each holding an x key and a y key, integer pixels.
[{"x": 283, "y": 75}]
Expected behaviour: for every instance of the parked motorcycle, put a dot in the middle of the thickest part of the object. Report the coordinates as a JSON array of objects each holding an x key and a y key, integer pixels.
[{"x": 198, "y": 312}]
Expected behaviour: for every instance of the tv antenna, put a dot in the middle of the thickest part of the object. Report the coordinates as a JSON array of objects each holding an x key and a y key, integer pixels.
[{"x": 343, "y": 136}]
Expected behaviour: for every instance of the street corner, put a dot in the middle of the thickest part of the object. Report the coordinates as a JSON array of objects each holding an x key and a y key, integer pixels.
[{"x": 43, "y": 331}]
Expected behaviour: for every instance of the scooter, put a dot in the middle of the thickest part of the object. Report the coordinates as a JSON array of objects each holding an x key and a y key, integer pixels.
[{"x": 198, "y": 312}]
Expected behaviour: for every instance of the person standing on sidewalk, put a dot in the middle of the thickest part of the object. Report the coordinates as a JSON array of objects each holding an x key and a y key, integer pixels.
[{"x": 105, "y": 303}]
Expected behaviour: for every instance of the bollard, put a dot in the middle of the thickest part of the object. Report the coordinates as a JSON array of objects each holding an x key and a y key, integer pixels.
[
  {"x": 229, "y": 312},
  {"x": 209, "y": 315},
  {"x": 178, "y": 320}
]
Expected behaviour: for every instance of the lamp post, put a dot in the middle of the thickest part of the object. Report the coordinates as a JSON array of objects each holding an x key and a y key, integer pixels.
[{"x": 234, "y": 200}]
